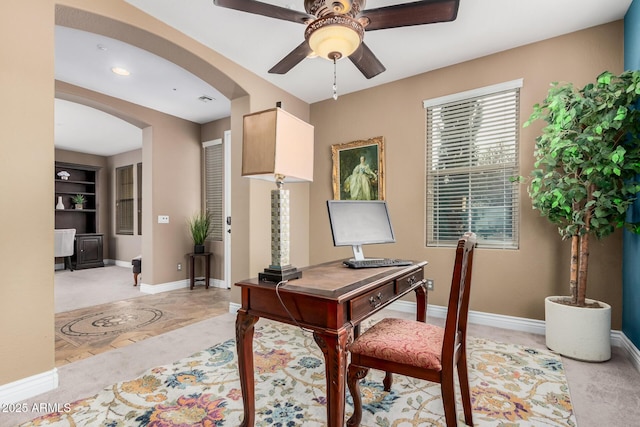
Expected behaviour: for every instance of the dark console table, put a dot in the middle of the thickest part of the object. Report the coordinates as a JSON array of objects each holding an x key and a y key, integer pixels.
[{"x": 192, "y": 268}]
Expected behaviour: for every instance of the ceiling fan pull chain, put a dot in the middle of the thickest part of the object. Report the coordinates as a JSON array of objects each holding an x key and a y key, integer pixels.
[{"x": 335, "y": 80}]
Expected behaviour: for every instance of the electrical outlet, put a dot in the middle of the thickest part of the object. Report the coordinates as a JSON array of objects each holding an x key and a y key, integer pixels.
[
  {"x": 163, "y": 219},
  {"x": 179, "y": 267},
  {"x": 430, "y": 284}
]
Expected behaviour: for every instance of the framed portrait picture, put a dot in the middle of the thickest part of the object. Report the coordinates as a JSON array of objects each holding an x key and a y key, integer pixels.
[{"x": 358, "y": 170}]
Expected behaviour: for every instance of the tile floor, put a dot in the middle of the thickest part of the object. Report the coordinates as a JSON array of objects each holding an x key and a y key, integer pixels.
[{"x": 178, "y": 308}]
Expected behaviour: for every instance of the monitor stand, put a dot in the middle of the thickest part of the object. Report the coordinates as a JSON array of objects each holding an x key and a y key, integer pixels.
[{"x": 358, "y": 255}]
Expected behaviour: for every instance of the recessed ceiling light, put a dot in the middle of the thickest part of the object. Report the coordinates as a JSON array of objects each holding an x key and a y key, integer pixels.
[{"x": 120, "y": 71}]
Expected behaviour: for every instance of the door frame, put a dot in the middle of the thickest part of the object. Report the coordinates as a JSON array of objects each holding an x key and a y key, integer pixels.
[{"x": 226, "y": 196}]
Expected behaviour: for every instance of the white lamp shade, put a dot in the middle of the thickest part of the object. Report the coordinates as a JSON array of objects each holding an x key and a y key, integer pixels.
[{"x": 276, "y": 142}]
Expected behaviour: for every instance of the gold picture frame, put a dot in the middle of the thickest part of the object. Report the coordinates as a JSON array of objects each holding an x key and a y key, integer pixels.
[{"x": 358, "y": 170}]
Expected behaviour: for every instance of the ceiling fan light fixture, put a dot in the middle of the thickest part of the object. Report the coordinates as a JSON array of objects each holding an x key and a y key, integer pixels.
[{"x": 334, "y": 36}]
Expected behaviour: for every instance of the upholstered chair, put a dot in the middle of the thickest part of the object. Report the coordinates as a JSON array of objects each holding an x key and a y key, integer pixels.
[{"x": 421, "y": 350}]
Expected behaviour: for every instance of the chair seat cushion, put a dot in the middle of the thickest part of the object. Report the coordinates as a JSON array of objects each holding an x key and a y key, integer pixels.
[{"x": 402, "y": 341}]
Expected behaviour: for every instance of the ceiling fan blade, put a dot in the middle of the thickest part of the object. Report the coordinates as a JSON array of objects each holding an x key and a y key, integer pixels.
[
  {"x": 265, "y": 9},
  {"x": 366, "y": 61},
  {"x": 292, "y": 59},
  {"x": 415, "y": 13}
]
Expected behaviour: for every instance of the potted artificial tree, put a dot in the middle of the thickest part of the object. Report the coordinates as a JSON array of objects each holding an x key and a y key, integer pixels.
[
  {"x": 587, "y": 161},
  {"x": 200, "y": 228}
]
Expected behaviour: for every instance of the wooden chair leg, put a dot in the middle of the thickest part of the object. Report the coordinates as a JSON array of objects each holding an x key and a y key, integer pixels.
[
  {"x": 463, "y": 377},
  {"x": 135, "y": 279},
  {"x": 449, "y": 399},
  {"x": 388, "y": 381},
  {"x": 354, "y": 375}
]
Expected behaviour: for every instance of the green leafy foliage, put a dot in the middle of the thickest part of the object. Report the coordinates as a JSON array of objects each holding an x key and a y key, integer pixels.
[
  {"x": 78, "y": 199},
  {"x": 200, "y": 227},
  {"x": 587, "y": 158}
]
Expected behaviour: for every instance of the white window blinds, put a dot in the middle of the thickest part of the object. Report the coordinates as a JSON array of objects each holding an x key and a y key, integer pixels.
[
  {"x": 214, "y": 186},
  {"x": 472, "y": 152}
]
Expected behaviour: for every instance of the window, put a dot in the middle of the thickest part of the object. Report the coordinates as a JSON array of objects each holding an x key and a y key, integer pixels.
[
  {"x": 124, "y": 200},
  {"x": 214, "y": 189},
  {"x": 472, "y": 152}
]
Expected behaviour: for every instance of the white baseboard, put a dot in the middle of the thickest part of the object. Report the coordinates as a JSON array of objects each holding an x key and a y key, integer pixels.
[
  {"x": 478, "y": 318},
  {"x": 46, "y": 381},
  {"x": 29, "y": 387},
  {"x": 119, "y": 263},
  {"x": 60, "y": 266},
  {"x": 632, "y": 351},
  {"x": 178, "y": 284},
  {"x": 234, "y": 307},
  {"x": 217, "y": 283},
  {"x": 170, "y": 286},
  {"x": 163, "y": 287},
  {"x": 618, "y": 338}
]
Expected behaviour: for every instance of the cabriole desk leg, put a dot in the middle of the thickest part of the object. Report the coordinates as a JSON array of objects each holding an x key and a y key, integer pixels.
[
  {"x": 244, "y": 346},
  {"x": 335, "y": 357},
  {"x": 421, "y": 303}
]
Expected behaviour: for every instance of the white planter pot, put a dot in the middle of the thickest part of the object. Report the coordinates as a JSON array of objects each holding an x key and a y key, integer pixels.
[{"x": 578, "y": 332}]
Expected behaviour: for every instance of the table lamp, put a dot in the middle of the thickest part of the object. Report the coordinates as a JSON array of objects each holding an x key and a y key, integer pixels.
[{"x": 277, "y": 146}]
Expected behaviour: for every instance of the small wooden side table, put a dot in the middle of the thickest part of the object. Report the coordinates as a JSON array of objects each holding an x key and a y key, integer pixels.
[{"x": 192, "y": 270}]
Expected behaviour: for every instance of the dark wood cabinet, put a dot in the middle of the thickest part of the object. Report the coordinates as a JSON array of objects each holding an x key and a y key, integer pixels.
[
  {"x": 88, "y": 251},
  {"x": 70, "y": 180}
]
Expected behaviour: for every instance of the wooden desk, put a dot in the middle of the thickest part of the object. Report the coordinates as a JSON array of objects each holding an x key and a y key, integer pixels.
[
  {"x": 192, "y": 268},
  {"x": 332, "y": 301}
]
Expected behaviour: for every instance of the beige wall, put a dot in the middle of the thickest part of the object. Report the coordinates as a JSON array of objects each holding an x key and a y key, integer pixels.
[
  {"x": 26, "y": 188},
  {"x": 170, "y": 184},
  {"x": 505, "y": 282},
  {"x": 171, "y": 155},
  {"x": 171, "y": 144},
  {"x": 248, "y": 93}
]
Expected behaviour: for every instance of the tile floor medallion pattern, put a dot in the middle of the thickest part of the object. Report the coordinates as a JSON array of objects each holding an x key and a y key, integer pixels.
[
  {"x": 110, "y": 322},
  {"x": 88, "y": 331}
]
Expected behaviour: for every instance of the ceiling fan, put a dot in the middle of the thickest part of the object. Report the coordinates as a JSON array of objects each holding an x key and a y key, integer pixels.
[{"x": 335, "y": 28}]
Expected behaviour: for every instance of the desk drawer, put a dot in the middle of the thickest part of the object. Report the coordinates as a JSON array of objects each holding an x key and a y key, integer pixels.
[
  {"x": 365, "y": 304},
  {"x": 405, "y": 282}
]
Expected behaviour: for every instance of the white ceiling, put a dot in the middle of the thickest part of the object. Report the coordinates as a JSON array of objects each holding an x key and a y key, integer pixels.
[{"x": 257, "y": 43}]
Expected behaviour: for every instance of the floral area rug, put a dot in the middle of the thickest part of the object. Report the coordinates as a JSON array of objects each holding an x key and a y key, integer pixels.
[{"x": 511, "y": 386}]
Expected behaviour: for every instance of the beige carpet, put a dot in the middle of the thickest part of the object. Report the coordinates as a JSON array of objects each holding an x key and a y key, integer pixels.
[
  {"x": 602, "y": 394},
  {"x": 510, "y": 385}
]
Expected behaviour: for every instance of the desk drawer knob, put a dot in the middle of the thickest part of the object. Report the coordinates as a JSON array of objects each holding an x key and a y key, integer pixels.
[
  {"x": 376, "y": 300},
  {"x": 411, "y": 280}
]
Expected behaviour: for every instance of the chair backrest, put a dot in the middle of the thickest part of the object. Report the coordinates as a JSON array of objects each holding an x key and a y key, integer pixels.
[
  {"x": 63, "y": 242},
  {"x": 458, "y": 309}
]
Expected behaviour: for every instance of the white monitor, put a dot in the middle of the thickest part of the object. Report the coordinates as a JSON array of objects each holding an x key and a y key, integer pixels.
[{"x": 358, "y": 222}]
